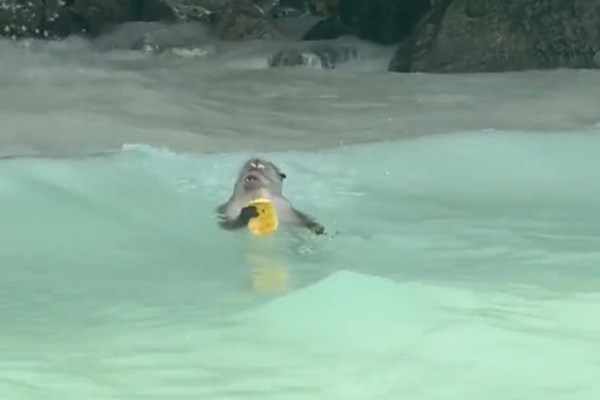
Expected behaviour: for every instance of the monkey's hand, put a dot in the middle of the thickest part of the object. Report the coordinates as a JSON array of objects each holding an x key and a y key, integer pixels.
[
  {"x": 316, "y": 228},
  {"x": 247, "y": 214}
]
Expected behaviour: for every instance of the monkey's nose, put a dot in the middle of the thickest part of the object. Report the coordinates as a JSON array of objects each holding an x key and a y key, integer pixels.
[{"x": 251, "y": 178}]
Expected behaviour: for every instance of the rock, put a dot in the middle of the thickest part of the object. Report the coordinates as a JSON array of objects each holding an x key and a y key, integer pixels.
[
  {"x": 97, "y": 15},
  {"x": 295, "y": 25},
  {"x": 197, "y": 10},
  {"x": 231, "y": 19},
  {"x": 245, "y": 20},
  {"x": 21, "y": 18},
  {"x": 60, "y": 18},
  {"x": 321, "y": 56},
  {"x": 330, "y": 28},
  {"x": 323, "y": 7},
  {"x": 401, "y": 60},
  {"x": 379, "y": 21},
  {"x": 154, "y": 37},
  {"x": 383, "y": 21},
  {"x": 266, "y": 5},
  {"x": 59, "y": 21},
  {"x": 155, "y": 10},
  {"x": 129, "y": 35},
  {"x": 507, "y": 35},
  {"x": 188, "y": 35},
  {"x": 289, "y": 9}
]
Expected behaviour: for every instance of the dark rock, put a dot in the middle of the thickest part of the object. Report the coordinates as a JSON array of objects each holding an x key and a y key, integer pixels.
[
  {"x": 21, "y": 18},
  {"x": 401, "y": 60},
  {"x": 155, "y": 10},
  {"x": 129, "y": 35},
  {"x": 325, "y": 56},
  {"x": 59, "y": 21},
  {"x": 196, "y": 10},
  {"x": 380, "y": 21},
  {"x": 289, "y": 9},
  {"x": 245, "y": 20},
  {"x": 266, "y": 5},
  {"x": 60, "y": 18},
  {"x": 295, "y": 27},
  {"x": 383, "y": 21},
  {"x": 230, "y": 19},
  {"x": 330, "y": 28},
  {"x": 157, "y": 39},
  {"x": 504, "y": 35},
  {"x": 323, "y": 7},
  {"x": 97, "y": 15}
]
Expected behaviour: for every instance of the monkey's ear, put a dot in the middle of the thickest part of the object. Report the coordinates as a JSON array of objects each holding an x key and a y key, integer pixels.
[{"x": 279, "y": 172}]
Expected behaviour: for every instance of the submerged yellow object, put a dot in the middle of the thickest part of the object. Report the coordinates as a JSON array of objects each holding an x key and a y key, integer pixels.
[
  {"x": 267, "y": 276},
  {"x": 266, "y": 222}
]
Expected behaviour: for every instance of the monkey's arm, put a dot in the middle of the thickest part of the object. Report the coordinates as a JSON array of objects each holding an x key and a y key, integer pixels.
[
  {"x": 309, "y": 223},
  {"x": 241, "y": 221}
]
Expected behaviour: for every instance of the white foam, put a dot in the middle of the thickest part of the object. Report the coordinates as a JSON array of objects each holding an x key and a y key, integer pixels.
[{"x": 228, "y": 101}]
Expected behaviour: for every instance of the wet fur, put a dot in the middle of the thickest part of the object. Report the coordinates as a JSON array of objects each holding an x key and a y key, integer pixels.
[{"x": 269, "y": 185}]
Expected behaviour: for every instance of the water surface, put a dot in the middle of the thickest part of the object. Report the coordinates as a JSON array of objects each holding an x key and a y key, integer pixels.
[{"x": 461, "y": 261}]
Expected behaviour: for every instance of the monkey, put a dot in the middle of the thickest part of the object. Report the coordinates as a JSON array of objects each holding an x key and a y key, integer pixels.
[{"x": 259, "y": 178}]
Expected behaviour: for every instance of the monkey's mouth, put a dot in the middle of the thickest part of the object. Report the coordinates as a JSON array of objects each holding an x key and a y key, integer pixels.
[{"x": 251, "y": 179}]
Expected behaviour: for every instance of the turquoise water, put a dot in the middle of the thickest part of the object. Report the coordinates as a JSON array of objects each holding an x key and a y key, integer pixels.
[
  {"x": 462, "y": 260},
  {"x": 463, "y": 266}
]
